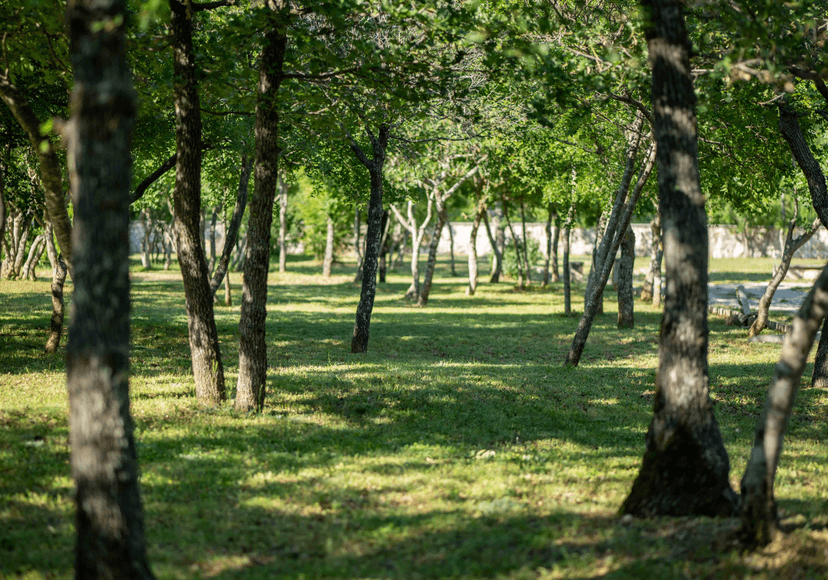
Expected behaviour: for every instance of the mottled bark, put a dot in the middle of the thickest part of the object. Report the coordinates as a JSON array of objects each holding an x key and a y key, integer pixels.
[
  {"x": 518, "y": 251},
  {"x": 685, "y": 469},
  {"x": 375, "y": 166},
  {"x": 228, "y": 295},
  {"x": 550, "y": 263},
  {"x": 208, "y": 370},
  {"x": 496, "y": 242},
  {"x": 527, "y": 265},
  {"x": 626, "y": 316},
  {"x": 231, "y": 230},
  {"x": 653, "y": 276},
  {"x": 59, "y": 271},
  {"x": 789, "y": 249},
  {"x": 417, "y": 234},
  {"x": 758, "y": 510},
  {"x": 3, "y": 170},
  {"x": 110, "y": 530},
  {"x": 250, "y": 390},
  {"x": 27, "y": 272},
  {"x": 327, "y": 262},
  {"x": 573, "y": 357},
  {"x": 452, "y": 267},
  {"x": 478, "y": 217}
]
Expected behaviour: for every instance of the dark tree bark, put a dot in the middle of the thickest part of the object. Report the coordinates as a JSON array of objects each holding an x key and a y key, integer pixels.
[
  {"x": 791, "y": 246},
  {"x": 685, "y": 468},
  {"x": 375, "y": 166},
  {"x": 759, "y": 515},
  {"x": 327, "y": 262},
  {"x": 208, "y": 370},
  {"x": 573, "y": 357},
  {"x": 250, "y": 391},
  {"x": 283, "y": 205},
  {"x": 231, "y": 230},
  {"x": 626, "y": 316},
  {"x": 110, "y": 529},
  {"x": 142, "y": 187},
  {"x": 792, "y": 133},
  {"x": 567, "y": 274}
]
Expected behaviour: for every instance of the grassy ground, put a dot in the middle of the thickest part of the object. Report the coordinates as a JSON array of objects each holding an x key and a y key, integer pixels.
[{"x": 458, "y": 447}]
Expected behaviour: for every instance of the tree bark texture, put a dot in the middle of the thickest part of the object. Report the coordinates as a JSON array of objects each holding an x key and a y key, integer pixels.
[
  {"x": 431, "y": 264},
  {"x": 375, "y": 165},
  {"x": 250, "y": 391},
  {"x": 654, "y": 271},
  {"x": 478, "y": 217},
  {"x": 685, "y": 469},
  {"x": 591, "y": 308},
  {"x": 626, "y": 316},
  {"x": 526, "y": 263},
  {"x": 792, "y": 133},
  {"x": 417, "y": 234},
  {"x": 495, "y": 240},
  {"x": 59, "y": 271},
  {"x": 3, "y": 170},
  {"x": 231, "y": 230},
  {"x": 518, "y": 251},
  {"x": 327, "y": 262},
  {"x": 567, "y": 274},
  {"x": 385, "y": 245},
  {"x": 208, "y": 371},
  {"x": 791, "y": 246},
  {"x": 110, "y": 530},
  {"x": 759, "y": 516},
  {"x": 283, "y": 205}
]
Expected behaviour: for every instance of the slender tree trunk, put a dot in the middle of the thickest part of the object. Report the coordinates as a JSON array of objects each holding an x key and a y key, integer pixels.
[
  {"x": 431, "y": 265},
  {"x": 327, "y": 263},
  {"x": 791, "y": 246},
  {"x": 451, "y": 248},
  {"x": 547, "y": 277},
  {"x": 250, "y": 390},
  {"x": 654, "y": 271},
  {"x": 685, "y": 469},
  {"x": 283, "y": 204},
  {"x": 518, "y": 253},
  {"x": 20, "y": 250},
  {"x": 231, "y": 230},
  {"x": 213, "y": 220},
  {"x": 146, "y": 223},
  {"x": 3, "y": 170},
  {"x": 228, "y": 296},
  {"x": 626, "y": 317},
  {"x": 759, "y": 516},
  {"x": 358, "y": 245},
  {"x": 495, "y": 240},
  {"x": 208, "y": 370},
  {"x": 417, "y": 234},
  {"x": 362, "y": 325},
  {"x": 385, "y": 226},
  {"x": 567, "y": 274},
  {"x": 110, "y": 529},
  {"x": 525, "y": 244},
  {"x": 35, "y": 253},
  {"x": 59, "y": 271},
  {"x": 478, "y": 217}
]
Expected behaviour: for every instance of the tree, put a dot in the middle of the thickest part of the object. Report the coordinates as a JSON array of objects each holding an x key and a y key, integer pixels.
[
  {"x": 110, "y": 535},
  {"x": 685, "y": 468}
]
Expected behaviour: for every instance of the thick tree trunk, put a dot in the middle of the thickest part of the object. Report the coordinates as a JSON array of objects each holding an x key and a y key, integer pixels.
[
  {"x": 283, "y": 205},
  {"x": 685, "y": 468},
  {"x": 478, "y": 217},
  {"x": 231, "y": 230},
  {"x": 626, "y": 316},
  {"x": 573, "y": 357},
  {"x": 250, "y": 390},
  {"x": 362, "y": 325},
  {"x": 208, "y": 370},
  {"x": 59, "y": 271},
  {"x": 327, "y": 262},
  {"x": 789, "y": 249},
  {"x": 567, "y": 274},
  {"x": 759, "y": 516},
  {"x": 110, "y": 529}
]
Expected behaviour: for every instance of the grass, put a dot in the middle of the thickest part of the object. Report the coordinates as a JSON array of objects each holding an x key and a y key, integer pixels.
[{"x": 458, "y": 447}]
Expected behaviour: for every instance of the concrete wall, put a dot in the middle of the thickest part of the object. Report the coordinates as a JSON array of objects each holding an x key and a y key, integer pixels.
[{"x": 725, "y": 241}]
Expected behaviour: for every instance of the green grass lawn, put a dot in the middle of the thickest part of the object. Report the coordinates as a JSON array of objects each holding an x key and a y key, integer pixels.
[{"x": 458, "y": 447}]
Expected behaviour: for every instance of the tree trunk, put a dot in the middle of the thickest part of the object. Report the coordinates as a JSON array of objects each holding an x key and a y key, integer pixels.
[
  {"x": 385, "y": 226},
  {"x": 453, "y": 269},
  {"x": 208, "y": 370},
  {"x": 228, "y": 296},
  {"x": 431, "y": 265},
  {"x": 417, "y": 234},
  {"x": 58, "y": 279},
  {"x": 250, "y": 390},
  {"x": 496, "y": 241},
  {"x": 35, "y": 253},
  {"x": 327, "y": 263},
  {"x": 231, "y": 231},
  {"x": 362, "y": 325},
  {"x": 654, "y": 271},
  {"x": 567, "y": 275},
  {"x": 526, "y": 263},
  {"x": 518, "y": 252},
  {"x": 685, "y": 469},
  {"x": 626, "y": 317},
  {"x": 759, "y": 516},
  {"x": 211, "y": 267},
  {"x": 550, "y": 276},
  {"x": 360, "y": 259},
  {"x": 20, "y": 246},
  {"x": 791, "y": 246},
  {"x": 478, "y": 217},
  {"x": 3, "y": 170},
  {"x": 573, "y": 357},
  {"x": 109, "y": 523},
  {"x": 283, "y": 204},
  {"x": 146, "y": 223}
]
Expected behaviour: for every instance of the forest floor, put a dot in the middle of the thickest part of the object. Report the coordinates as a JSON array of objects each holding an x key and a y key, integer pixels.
[{"x": 458, "y": 447}]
